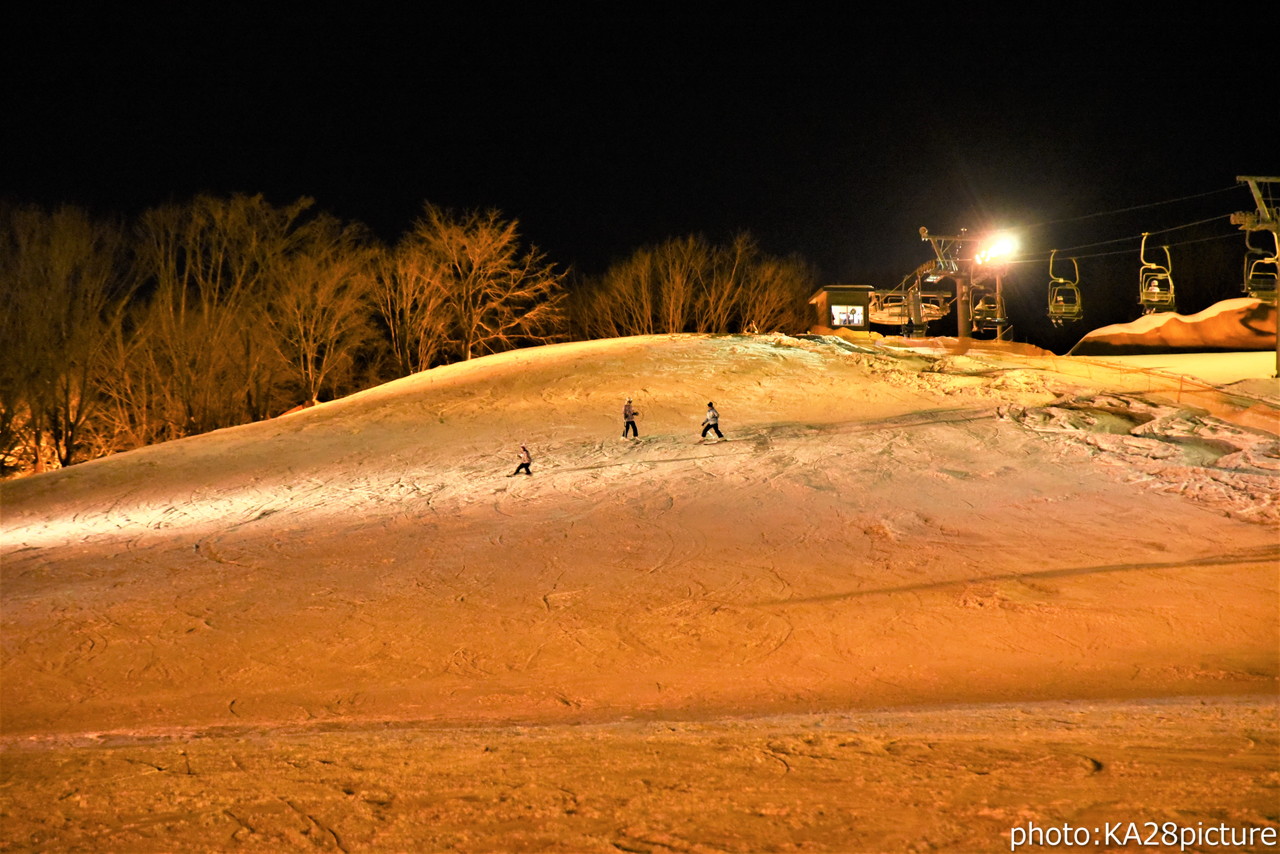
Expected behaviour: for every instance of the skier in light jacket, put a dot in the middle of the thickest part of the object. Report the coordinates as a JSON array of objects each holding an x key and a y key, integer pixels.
[{"x": 711, "y": 422}]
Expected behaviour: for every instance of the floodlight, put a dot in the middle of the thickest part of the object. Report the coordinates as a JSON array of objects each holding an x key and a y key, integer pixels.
[{"x": 997, "y": 248}]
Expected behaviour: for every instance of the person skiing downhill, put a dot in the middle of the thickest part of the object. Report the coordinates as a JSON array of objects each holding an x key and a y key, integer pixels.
[
  {"x": 711, "y": 422},
  {"x": 525, "y": 460},
  {"x": 629, "y": 414}
]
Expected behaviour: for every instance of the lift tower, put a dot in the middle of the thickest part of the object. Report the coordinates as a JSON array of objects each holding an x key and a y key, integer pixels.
[
  {"x": 1265, "y": 219},
  {"x": 988, "y": 263},
  {"x": 946, "y": 251}
]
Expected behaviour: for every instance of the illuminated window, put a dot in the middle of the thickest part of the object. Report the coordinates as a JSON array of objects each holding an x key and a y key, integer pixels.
[{"x": 848, "y": 315}]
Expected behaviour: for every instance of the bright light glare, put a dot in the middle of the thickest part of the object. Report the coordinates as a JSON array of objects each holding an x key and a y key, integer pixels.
[{"x": 998, "y": 247}]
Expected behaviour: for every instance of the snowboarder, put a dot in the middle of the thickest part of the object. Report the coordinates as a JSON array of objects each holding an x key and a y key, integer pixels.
[
  {"x": 525, "y": 460},
  {"x": 711, "y": 422},
  {"x": 629, "y": 414}
]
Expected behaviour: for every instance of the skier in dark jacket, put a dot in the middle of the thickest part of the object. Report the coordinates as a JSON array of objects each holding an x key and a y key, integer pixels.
[
  {"x": 629, "y": 414},
  {"x": 525, "y": 460},
  {"x": 711, "y": 422}
]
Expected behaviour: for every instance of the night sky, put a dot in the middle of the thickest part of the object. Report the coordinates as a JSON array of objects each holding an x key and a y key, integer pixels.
[{"x": 614, "y": 127}]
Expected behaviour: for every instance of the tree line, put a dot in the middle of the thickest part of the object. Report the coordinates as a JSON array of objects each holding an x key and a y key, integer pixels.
[{"x": 221, "y": 311}]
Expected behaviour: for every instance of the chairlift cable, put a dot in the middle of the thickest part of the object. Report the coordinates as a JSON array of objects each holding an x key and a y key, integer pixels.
[
  {"x": 1203, "y": 239},
  {"x": 1072, "y": 249},
  {"x": 1190, "y": 224},
  {"x": 1044, "y": 259},
  {"x": 1134, "y": 208}
]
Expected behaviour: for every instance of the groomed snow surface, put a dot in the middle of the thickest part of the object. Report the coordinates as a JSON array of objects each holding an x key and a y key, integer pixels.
[{"x": 912, "y": 600}]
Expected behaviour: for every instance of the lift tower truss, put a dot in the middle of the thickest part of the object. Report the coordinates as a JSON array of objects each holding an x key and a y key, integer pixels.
[{"x": 1261, "y": 269}]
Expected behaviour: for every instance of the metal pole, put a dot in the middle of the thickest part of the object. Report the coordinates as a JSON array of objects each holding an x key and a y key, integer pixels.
[
  {"x": 962, "y": 306},
  {"x": 1000, "y": 308},
  {"x": 1275, "y": 303}
]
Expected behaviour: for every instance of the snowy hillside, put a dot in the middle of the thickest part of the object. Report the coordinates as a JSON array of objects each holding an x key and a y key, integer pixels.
[{"x": 878, "y": 529}]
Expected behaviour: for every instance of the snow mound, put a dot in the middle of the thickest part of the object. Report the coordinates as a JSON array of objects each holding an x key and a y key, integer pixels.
[
  {"x": 1230, "y": 325},
  {"x": 1174, "y": 449}
]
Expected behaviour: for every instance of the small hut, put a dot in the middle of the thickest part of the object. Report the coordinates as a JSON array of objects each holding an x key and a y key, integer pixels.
[{"x": 843, "y": 307}]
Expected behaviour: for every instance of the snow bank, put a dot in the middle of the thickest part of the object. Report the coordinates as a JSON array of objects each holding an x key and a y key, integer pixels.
[{"x": 1230, "y": 325}]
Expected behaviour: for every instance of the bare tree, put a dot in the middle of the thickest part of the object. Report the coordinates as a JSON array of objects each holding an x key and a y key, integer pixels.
[
  {"x": 14, "y": 330},
  {"x": 751, "y": 290},
  {"x": 682, "y": 268},
  {"x": 211, "y": 266},
  {"x": 319, "y": 314},
  {"x": 655, "y": 290},
  {"x": 724, "y": 271},
  {"x": 64, "y": 274},
  {"x": 690, "y": 285},
  {"x": 140, "y": 404},
  {"x": 496, "y": 296},
  {"x": 621, "y": 302},
  {"x": 411, "y": 298},
  {"x": 775, "y": 296}
]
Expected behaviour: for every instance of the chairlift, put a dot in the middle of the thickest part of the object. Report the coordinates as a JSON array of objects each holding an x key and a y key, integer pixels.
[
  {"x": 893, "y": 308},
  {"x": 987, "y": 309},
  {"x": 888, "y": 309},
  {"x": 1065, "y": 302},
  {"x": 935, "y": 306},
  {"x": 1155, "y": 282},
  {"x": 1260, "y": 269}
]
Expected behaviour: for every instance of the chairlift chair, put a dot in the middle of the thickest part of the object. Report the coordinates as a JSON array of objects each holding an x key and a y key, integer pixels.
[
  {"x": 888, "y": 309},
  {"x": 1261, "y": 269},
  {"x": 935, "y": 306},
  {"x": 1155, "y": 282},
  {"x": 987, "y": 311},
  {"x": 1065, "y": 302}
]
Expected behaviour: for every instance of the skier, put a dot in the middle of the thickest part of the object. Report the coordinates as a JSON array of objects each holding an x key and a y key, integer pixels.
[
  {"x": 711, "y": 422},
  {"x": 525, "y": 460},
  {"x": 629, "y": 414}
]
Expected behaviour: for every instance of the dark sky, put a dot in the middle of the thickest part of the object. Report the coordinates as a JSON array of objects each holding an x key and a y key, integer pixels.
[{"x": 607, "y": 129}]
